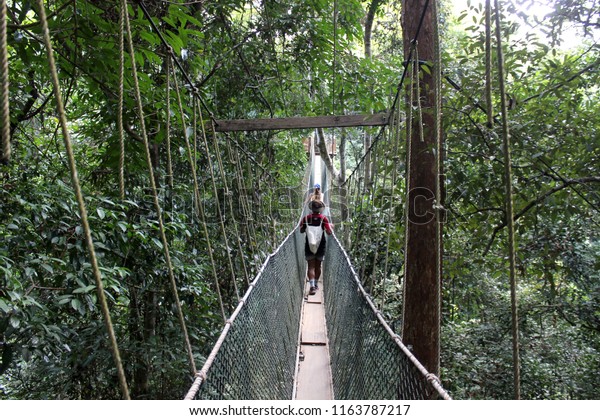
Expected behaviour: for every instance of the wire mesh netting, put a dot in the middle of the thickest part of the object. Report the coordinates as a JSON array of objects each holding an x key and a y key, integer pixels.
[
  {"x": 255, "y": 358},
  {"x": 367, "y": 362}
]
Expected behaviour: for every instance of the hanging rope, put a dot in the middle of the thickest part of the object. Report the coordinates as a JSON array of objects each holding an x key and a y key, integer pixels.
[
  {"x": 5, "y": 147},
  {"x": 417, "y": 84},
  {"x": 395, "y": 133},
  {"x": 81, "y": 203},
  {"x": 230, "y": 203},
  {"x": 257, "y": 198},
  {"x": 196, "y": 111},
  {"x": 358, "y": 207},
  {"x": 488, "y": 63},
  {"x": 358, "y": 204},
  {"x": 199, "y": 206},
  {"x": 121, "y": 99},
  {"x": 234, "y": 158},
  {"x": 168, "y": 127},
  {"x": 218, "y": 205},
  {"x": 364, "y": 156},
  {"x": 334, "y": 67},
  {"x": 157, "y": 207},
  {"x": 438, "y": 206},
  {"x": 372, "y": 191},
  {"x": 509, "y": 212},
  {"x": 246, "y": 202},
  {"x": 409, "y": 122}
]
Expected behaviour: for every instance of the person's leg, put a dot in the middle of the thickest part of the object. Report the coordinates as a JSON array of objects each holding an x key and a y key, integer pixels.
[
  {"x": 319, "y": 257},
  {"x": 317, "y": 269},
  {"x": 312, "y": 264},
  {"x": 311, "y": 270}
]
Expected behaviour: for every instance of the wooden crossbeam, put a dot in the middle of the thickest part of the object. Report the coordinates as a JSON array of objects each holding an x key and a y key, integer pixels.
[{"x": 262, "y": 124}]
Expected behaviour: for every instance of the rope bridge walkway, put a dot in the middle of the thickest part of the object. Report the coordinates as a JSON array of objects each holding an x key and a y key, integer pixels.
[{"x": 257, "y": 354}]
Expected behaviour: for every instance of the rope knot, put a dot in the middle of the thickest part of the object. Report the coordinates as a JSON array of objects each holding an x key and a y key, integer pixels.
[
  {"x": 432, "y": 378},
  {"x": 201, "y": 375}
]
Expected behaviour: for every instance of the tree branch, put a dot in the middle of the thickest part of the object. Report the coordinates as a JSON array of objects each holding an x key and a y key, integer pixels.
[
  {"x": 325, "y": 155},
  {"x": 566, "y": 183},
  {"x": 16, "y": 26},
  {"x": 25, "y": 114},
  {"x": 370, "y": 18},
  {"x": 559, "y": 85}
]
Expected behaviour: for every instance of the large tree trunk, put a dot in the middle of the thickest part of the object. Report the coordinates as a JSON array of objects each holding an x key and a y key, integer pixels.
[{"x": 422, "y": 286}]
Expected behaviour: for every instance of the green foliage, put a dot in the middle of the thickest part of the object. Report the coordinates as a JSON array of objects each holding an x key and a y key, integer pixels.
[{"x": 50, "y": 320}]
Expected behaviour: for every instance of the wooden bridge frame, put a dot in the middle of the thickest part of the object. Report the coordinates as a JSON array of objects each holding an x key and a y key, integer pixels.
[{"x": 264, "y": 124}]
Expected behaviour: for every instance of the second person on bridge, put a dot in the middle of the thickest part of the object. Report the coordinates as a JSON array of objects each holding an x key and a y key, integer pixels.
[{"x": 314, "y": 225}]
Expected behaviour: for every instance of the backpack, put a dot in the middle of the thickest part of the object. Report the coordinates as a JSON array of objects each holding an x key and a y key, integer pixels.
[{"x": 314, "y": 234}]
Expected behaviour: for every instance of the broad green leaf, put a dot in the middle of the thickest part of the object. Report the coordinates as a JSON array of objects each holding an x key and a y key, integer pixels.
[
  {"x": 158, "y": 243},
  {"x": 4, "y": 306}
]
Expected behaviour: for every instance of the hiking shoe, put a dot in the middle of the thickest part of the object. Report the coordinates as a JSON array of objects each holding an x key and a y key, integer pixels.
[{"x": 313, "y": 290}]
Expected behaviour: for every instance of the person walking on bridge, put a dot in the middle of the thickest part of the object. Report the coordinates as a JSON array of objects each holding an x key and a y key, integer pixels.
[
  {"x": 314, "y": 225},
  {"x": 316, "y": 195}
]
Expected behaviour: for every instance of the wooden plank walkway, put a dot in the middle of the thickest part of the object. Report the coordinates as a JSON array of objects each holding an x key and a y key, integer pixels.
[{"x": 314, "y": 371}]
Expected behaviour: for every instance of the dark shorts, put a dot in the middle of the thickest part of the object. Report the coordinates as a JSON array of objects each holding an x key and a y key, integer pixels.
[{"x": 319, "y": 256}]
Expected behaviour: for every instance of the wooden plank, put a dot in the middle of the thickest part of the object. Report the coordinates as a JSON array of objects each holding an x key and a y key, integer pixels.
[
  {"x": 314, "y": 374},
  {"x": 313, "y": 324},
  {"x": 262, "y": 124}
]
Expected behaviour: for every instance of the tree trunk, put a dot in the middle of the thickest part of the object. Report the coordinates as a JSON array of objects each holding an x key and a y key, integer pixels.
[
  {"x": 373, "y": 6},
  {"x": 143, "y": 308},
  {"x": 421, "y": 324}
]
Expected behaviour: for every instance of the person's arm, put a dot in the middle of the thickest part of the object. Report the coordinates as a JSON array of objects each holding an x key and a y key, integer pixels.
[
  {"x": 302, "y": 225},
  {"x": 327, "y": 226}
]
